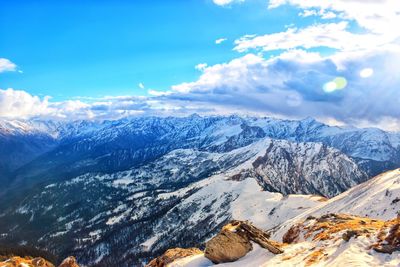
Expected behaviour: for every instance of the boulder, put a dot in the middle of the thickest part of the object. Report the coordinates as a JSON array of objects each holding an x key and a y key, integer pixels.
[{"x": 227, "y": 246}]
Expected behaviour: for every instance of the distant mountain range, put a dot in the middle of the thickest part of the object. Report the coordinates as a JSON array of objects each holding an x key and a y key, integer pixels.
[{"x": 121, "y": 192}]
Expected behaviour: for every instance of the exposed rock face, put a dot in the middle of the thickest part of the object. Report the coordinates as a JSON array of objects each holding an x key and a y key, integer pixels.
[
  {"x": 173, "y": 254},
  {"x": 233, "y": 242},
  {"x": 390, "y": 242},
  {"x": 328, "y": 226},
  {"x": 25, "y": 261},
  {"x": 69, "y": 262}
]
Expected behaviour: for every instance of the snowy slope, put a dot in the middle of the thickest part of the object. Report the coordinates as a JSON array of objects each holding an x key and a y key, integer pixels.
[
  {"x": 378, "y": 198},
  {"x": 338, "y": 253}
]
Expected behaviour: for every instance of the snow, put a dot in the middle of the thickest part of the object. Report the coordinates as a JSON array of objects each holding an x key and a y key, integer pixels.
[
  {"x": 123, "y": 181},
  {"x": 265, "y": 209},
  {"x": 338, "y": 254},
  {"x": 118, "y": 218},
  {"x": 372, "y": 198},
  {"x": 149, "y": 242},
  {"x": 195, "y": 261},
  {"x": 375, "y": 198}
]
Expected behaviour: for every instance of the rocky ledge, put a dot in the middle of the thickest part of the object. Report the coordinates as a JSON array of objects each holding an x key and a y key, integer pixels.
[
  {"x": 230, "y": 244},
  {"x": 16, "y": 261}
]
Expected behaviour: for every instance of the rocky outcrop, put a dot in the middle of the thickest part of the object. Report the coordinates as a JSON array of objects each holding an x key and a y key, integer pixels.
[
  {"x": 25, "y": 261},
  {"x": 227, "y": 246},
  {"x": 389, "y": 241},
  {"x": 327, "y": 227},
  {"x": 16, "y": 261},
  {"x": 233, "y": 242},
  {"x": 69, "y": 262},
  {"x": 331, "y": 225},
  {"x": 173, "y": 254}
]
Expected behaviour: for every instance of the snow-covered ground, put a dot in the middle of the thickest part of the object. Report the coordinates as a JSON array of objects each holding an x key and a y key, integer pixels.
[{"x": 377, "y": 198}]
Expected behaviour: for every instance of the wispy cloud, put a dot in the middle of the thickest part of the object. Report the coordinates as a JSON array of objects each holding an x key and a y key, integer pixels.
[
  {"x": 331, "y": 35},
  {"x": 378, "y": 16},
  {"x": 220, "y": 40},
  {"x": 141, "y": 85},
  {"x": 226, "y": 2},
  {"x": 7, "y": 65}
]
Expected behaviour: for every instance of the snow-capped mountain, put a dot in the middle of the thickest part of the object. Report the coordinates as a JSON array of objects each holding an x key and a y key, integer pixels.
[
  {"x": 123, "y": 191},
  {"x": 37, "y": 148}
]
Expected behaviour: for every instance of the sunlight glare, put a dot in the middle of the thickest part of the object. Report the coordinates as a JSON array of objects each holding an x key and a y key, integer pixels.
[
  {"x": 338, "y": 83},
  {"x": 367, "y": 72}
]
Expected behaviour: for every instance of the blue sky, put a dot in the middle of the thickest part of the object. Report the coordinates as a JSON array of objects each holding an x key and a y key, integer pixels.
[
  {"x": 336, "y": 61},
  {"x": 87, "y": 49}
]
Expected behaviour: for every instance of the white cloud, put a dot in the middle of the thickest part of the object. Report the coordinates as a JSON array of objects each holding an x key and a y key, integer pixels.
[
  {"x": 220, "y": 40},
  {"x": 378, "y": 16},
  {"x": 226, "y": 2},
  {"x": 18, "y": 103},
  {"x": 299, "y": 83},
  {"x": 201, "y": 66},
  {"x": 141, "y": 85},
  {"x": 7, "y": 65},
  {"x": 332, "y": 35},
  {"x": 322, "y": 13},
  {"x": 158, "y": 93}
]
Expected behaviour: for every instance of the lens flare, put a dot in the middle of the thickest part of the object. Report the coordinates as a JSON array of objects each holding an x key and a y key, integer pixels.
[
  {"x": 339, "y": 83},
  {"x": 367, "y": 72},
  {"x": 330, "y": 87}
]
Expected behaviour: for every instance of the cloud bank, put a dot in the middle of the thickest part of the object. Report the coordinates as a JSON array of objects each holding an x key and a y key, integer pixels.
[{"x": 291, "y": 85}]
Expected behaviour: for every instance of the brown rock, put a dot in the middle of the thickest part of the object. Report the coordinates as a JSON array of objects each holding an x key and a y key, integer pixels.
[
  {"x": 389, "y": 249},
  {"x": 227, "y": 246},
  {"x": 349, "y": 234},
  {"x": 173, "y": 254},
  {"x": 69, "y": 262},
  {"x": 391, "y": 242},
  {"x": 26, "y": 261},
  {"x": 40, "y": 262},
  {"x": 292, "y": 235}
]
